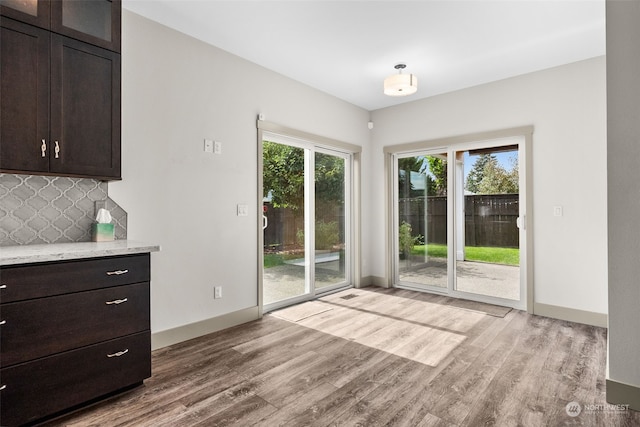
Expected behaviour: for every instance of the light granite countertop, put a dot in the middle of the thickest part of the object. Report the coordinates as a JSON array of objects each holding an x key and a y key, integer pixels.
[{"x": 25, "y": 254}]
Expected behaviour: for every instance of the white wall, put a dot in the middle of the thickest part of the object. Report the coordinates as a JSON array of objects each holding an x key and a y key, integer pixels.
[
  {"x": 623, "y": 99},
  {"x": 567, "y": 107},
  {"x": 176, "y": 92}
]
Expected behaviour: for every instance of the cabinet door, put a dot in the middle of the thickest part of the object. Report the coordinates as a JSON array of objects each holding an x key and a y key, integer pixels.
[
  {"x": 34, "y": 12},
  {"x": 45, "y": 386},
  {"x": 24, "y": 97},
  {"x": 93, "y": 21},
  {"x": 85, "y": 109}
]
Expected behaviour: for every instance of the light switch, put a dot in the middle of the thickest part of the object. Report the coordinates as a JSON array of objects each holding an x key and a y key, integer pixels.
[
  {"x": 217, "y": 147},
  {"x": 557, "y": 211},
  {"x": 208, "y": 146},
  {"x": 243, "y": 210}
]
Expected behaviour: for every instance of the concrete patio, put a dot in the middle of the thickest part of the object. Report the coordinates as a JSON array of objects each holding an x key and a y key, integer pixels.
[{"x": 496, "y": 280}]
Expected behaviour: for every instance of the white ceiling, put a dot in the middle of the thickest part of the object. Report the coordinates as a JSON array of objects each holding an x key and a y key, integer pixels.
[{"x": 347, "y": 48}]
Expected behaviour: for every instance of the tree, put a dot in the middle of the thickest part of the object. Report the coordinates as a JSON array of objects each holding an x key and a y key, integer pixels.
[
  {"x": 283, "y": 177},
  {"x": 477, "y": 172},
  {"x": 405, "y": 167},
  {"x": 438, "y": 169},
  {"x": 329, "y": 175},
  {"x": 435, "y": 170},
  {"x": 489, "y": 177}
]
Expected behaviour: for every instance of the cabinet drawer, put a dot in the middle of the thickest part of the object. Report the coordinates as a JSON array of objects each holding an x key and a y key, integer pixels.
[
  {"x": 40, "y": 280},
  {"x": 40, "y": 388},
  {"x": 40, "y": 327}
]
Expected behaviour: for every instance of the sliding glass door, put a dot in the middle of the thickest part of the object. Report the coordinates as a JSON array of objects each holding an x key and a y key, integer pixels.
[
  {"x": 487, "y": 228},
  {"x": 421, "y": 224},
  {"x": 285, "y": 219},
  {"x": 457, "y": 221},
  {"x": 306, "y": 220},
  {"x": 331, "y": 218}
]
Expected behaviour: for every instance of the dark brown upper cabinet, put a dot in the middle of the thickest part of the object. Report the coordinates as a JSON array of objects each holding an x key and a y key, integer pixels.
[
  {"x": 97, "y": 22},
  {"x": 24, "y": 97},
  {"x": 85, "y": 110},
  {"x": 59, "y": 101}
]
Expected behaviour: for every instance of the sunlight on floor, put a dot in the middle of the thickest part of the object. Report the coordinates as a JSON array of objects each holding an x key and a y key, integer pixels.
[{"x": 417, "y": 330}]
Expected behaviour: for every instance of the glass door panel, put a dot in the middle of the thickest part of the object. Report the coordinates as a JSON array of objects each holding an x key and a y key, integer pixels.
[
  {"x": 91, "y": 17},
  {"x": 284, "y": 217},
  {"x": 421, "y": 226},
  {"x": 487, "y": 232},
  {"x": 330, "y": 221},
  {"x": 29, "y": 7},
  {"x": 31, "y": 12}
]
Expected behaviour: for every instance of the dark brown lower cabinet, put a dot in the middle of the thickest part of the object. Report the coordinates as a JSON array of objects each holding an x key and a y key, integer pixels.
[
  {"x": 71, "y": 332},
  {"x": 36, "y": 389}
]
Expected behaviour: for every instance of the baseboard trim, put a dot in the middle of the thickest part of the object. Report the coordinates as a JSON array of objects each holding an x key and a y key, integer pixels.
[
  {"x": 374, "y": 281},
  {"x": 197, "y": 329},
  {"x": 623, "y": 394},
  {"x": 571, "y": 314}
]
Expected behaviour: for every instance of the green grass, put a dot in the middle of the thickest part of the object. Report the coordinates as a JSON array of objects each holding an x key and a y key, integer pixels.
[
  {"x": 437, "y": 251},
  {"x": 508, "y": 256},
  {"x": 273, "y": 260}
]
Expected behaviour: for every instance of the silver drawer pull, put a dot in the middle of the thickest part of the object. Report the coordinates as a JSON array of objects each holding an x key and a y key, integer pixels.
[
  {"x": 3, "y": 386},
  {"x": 3, "y": 322},
  {"x": 120, "y": 353},
  {"x": 3, "y": 286},
  {"x": 116, "y": 301},
  {"x": 117, "y": 272}
]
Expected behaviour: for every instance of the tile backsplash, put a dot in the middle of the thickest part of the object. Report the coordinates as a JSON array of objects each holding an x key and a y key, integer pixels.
[{"x": 44, "y": 209}]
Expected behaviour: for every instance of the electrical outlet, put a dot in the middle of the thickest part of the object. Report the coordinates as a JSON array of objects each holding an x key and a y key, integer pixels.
[
  {"x": 208, "y": 146},
  {"x": 217, "y": 292}
]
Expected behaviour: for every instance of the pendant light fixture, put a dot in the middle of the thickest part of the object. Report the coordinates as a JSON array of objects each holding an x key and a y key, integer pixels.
[{"x": 400, "y": 84}]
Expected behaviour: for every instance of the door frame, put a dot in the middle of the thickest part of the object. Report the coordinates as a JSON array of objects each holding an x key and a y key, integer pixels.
[
  {"x": 457, "y": 143},
  {"x": 327, "y": 146}
]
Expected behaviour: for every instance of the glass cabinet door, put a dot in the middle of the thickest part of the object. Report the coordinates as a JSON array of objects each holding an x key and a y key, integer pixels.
[
  {"x": 97, "y": 22},
  {"x": 93, "y": 21},
  {"x": 34, "y": 12}
]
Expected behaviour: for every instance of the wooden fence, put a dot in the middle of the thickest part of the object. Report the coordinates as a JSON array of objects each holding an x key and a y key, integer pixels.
[
  {"x": 490, "y": 220},
  {"x": 284, "y": 225}
]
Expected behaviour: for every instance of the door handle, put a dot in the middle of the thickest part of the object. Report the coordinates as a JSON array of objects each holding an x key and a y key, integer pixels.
[
  {"x": 265, "y": 222},
  {"x": 57, "y": 150},
  {"x": 43, "y": 147}
]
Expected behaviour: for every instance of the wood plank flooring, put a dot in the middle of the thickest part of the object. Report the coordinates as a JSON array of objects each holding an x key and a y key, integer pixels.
[{"x": 384, "y": 357}]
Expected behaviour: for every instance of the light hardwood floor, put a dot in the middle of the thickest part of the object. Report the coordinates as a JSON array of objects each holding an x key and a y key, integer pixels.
[{"x": 384, "y": 357}]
